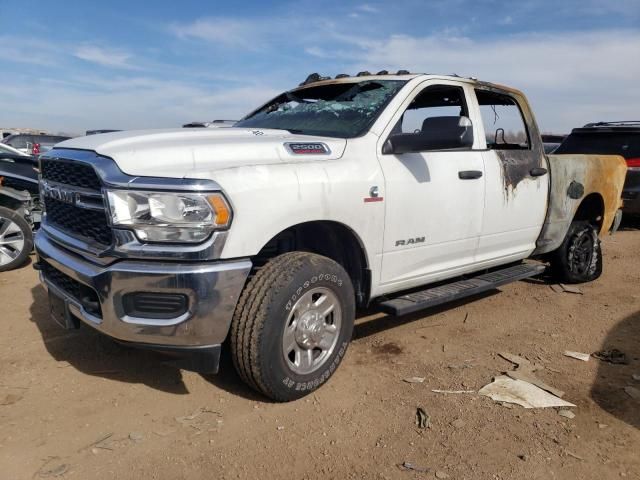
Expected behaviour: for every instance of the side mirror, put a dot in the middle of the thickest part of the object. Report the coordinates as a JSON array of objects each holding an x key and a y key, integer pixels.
[{"x": 438, "y": 133}]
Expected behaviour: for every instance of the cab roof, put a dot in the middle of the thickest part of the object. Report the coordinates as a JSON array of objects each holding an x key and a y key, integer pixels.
[{"x": 317, "y": 80}]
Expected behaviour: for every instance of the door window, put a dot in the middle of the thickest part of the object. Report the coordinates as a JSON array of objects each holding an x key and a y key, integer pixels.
[
  {"x": 434, "y": 101},
  {"x": 504, "y": 125}
]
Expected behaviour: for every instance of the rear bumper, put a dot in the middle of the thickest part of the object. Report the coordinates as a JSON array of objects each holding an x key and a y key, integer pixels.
[{"x": 212, "y": 290}]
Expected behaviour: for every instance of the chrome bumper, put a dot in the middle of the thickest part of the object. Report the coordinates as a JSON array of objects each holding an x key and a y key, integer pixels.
[{"x": 212, "y": 289}]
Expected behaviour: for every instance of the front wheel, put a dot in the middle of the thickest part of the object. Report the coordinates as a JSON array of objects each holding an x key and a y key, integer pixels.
[
  {"x": 16, "y": 239},
  {"x": 579, "y": 258},
  {"x": 292, "y": 325}
]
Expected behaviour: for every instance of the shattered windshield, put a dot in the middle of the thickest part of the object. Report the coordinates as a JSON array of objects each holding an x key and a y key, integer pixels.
[{"x": 342, "y": 110}]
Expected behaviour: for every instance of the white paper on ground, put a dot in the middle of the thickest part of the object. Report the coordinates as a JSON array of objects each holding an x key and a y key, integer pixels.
[
  {"x": 505, "y": 389},
  {"x": 577, "y": 355}
]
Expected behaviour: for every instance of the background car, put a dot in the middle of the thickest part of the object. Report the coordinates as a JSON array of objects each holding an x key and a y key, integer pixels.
[
  {"x": 97, "y": 132},
  {"x": 614, "y": 138},
  {"x": 20, "y": 208},
  {"x": 551, "y": 141},
  {"x": 8, "y": 149},
  {"x": 33, "y": 144}
]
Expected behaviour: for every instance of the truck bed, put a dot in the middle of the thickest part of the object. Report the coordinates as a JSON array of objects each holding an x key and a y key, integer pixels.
[{"x": 573, "y": 179}]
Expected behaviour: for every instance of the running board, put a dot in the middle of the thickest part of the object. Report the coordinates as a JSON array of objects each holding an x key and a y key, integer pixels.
[{"x": 449, "y": 292}]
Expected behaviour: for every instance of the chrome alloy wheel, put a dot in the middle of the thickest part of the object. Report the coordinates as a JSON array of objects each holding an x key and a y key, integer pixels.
[
  {"x": 11, "y": 241},
  {"x": 312, "y": 330}
]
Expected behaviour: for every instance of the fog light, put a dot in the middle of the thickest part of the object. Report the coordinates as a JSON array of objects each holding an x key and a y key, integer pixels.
[{"x": 150, "y": 305}]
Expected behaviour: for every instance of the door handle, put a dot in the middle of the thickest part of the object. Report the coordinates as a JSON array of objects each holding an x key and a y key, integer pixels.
[
  {"x": 469, "y": 174},
  {"x": 537, "y": 172}
]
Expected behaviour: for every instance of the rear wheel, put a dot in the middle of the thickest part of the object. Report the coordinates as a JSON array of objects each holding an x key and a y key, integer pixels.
[
  {"x": 292, "y": 325},
  {"x": 16, "y": 239},
  {"x": 579, "y": 258}
]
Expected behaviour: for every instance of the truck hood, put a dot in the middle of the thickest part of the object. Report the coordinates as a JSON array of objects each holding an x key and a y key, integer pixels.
[{"x": 183, "y": 152}]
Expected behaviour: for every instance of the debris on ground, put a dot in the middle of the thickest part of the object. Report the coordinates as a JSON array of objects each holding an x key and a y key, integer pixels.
[
  {"x": 566, "y": 414},
  {"x": 505, "y": 389},
  {"x": 136, "y": 437},
  {"x": 10, "y": 399},
  {"x": 98, "y": 443},
  {"x": 413, "y": 379},
  {"x": 455, "y": 366},
  {"x": 524, "y": 371},
  {"x": 636, "y": 377},
  {"x": 53, "y": 472},
  {"x": 411, "y": 467},
  {"x": 423, "y": 420},
  {"x": 614, "y": 356},
  {"x": 521, "y": 362},
  {"x": 570, "y": 289},
  {"x": 199, "y": 421},
  {"x": 441, "y": 475},
  {"x": 576, "y": 456},
  {"x": 633, "y": 392},
  {"x": 564, "y": 288},
  {"x": 532, "y": 379},
  {"x": 577, "y": 355},
  {"x": 453, "y": 391}
]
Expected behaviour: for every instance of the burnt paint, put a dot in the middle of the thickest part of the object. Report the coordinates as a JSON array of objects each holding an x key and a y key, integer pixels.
[
  {"x": 600, "y": 174},
  {"x": 516, "y": 165}
]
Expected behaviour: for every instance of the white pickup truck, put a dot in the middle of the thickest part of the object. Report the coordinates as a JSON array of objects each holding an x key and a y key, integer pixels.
[{"x": 402, "y": 190}]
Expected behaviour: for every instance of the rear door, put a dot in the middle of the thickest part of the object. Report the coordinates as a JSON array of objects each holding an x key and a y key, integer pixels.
[
  {"x": 517, "y": 185},
  {"x": 432, "y": 216}
]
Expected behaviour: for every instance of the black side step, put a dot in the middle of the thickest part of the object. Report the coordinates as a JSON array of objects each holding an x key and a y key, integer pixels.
[{"x": 449, "y": 292}]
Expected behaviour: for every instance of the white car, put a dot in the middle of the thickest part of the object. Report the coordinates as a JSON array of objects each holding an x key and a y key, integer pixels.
[
  {"x": 13, "y": 151},
  {"x": 335, "y": 195}
]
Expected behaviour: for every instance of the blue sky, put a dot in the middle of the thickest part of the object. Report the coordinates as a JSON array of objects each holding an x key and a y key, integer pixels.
[{"x": 71, "y": 66}]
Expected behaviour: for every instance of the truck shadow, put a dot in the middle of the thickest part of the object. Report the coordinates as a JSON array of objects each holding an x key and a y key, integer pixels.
[
  {"x": 94, "y": 354},
  {"x": 608, "y": 389},
  {"x": 365, "y": 328}
]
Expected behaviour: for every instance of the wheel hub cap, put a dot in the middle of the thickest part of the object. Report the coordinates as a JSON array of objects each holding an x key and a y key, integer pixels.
[
  {"x": 11, "y": 241},
  {"x": 310, "y": 329},
  {"x": 311, "y": 333}
]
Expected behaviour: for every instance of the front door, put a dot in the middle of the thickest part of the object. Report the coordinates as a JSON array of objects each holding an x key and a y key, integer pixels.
[{"x": 434, "y": 199}]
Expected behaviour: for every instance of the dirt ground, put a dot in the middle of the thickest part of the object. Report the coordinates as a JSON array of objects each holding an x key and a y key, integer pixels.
[{"x": 76, "y": 405}]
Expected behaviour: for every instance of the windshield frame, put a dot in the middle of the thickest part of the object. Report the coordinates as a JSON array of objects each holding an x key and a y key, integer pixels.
[{"x": 299, "y": 92}]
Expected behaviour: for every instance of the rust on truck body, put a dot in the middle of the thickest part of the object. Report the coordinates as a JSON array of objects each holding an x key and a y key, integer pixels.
[{"x": 602, "y": 175}]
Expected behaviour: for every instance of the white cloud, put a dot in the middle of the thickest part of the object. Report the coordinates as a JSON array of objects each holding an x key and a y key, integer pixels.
[
  {"x": 104, "y": 57},
  {"x": 367, "y": 8},
  {"x": 123, "y": 102},
  {"x": 508, "y": 20},
  {"x": 571, "y": 78},
  {"x": 225, "y": 31}
]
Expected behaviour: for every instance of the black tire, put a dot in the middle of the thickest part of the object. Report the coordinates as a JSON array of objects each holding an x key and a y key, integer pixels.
[
  {"x": 269, "y": 305},
  {"x": 8, "y": 249},
  {"x": 579, "y": 258}
]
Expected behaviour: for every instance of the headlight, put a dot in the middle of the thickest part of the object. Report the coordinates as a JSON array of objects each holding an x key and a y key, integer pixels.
[{"x": 168, "y": 216}]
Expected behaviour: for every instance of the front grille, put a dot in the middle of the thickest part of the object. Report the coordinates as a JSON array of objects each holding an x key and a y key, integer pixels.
[
  {"x": 84, "y": 295},
  {"x": 70, "y": 173},
  {"x": 91, "y": 224}
]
